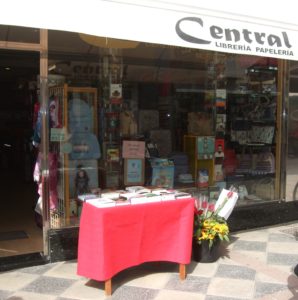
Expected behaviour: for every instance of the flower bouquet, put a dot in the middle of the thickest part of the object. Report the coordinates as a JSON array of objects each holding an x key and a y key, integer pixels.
[{"x": 210, "y": 220}]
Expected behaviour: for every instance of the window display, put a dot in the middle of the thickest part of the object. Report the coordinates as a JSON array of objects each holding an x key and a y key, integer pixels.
[
  {"x": 251, "y": 125},
  {"x": 77, "y": 150},
  {"x": 207, "y": 121}
]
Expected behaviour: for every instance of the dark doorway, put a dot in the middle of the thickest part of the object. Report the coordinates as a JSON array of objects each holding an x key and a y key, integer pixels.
[{"x": 19, "y": 231}]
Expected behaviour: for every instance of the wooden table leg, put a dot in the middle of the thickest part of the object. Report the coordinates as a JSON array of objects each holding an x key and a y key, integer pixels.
[
  {"x": 182, "y": 271},
  {"x": 108, "y": 287}
]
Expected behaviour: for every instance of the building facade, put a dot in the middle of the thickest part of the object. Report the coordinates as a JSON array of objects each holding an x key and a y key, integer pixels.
[{"x": 209, "y": 101}]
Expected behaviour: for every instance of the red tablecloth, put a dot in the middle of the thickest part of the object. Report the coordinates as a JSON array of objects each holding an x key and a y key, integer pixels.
[{"x": 114, "y": 238}]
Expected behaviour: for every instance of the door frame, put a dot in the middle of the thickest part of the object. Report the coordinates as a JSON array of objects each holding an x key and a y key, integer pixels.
[{"x": 42, "y": 48}]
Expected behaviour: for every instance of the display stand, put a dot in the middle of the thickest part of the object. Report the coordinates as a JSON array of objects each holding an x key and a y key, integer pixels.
[
  {"x": 254, "y": 132},
  {"x": 143, "y": 232},
  {"x": 195, "y": 161},
  {"x": 133, "y": 153},
  {"x": 78, "y": 143}
]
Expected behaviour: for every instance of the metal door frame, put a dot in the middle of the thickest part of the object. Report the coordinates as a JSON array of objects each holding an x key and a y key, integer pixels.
[{"x": 42, "y": 48}]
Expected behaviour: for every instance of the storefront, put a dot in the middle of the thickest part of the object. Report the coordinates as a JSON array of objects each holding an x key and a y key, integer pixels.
[{"x": 186, "y": 101}]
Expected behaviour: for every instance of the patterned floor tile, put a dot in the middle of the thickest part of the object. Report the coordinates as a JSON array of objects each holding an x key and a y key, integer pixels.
[
  {"x": 257, "y": 235},
  {"x": 178, "y": 295},
  {"x": 13, "y": 281},
  {"x": 66, "y": 269},
  {"x": 88, "y": 290},
  {"x": 40, "y": 270},
  {"x": 231, "y": 288},
  {"x": 5, "y": 294},
  {"x": 21, "y": 295},
  {"x": 190, "y": 284},
  {"x": 283, "y": 247},
  {"x": 234, "y": 271},
  {"x": 291, "y": 230},
  {"x": 282, "y": 259},
  {"x": 250, "y": 245},
  {"x": 272, "y": 278},
  {"x": 134, "y": 293},
  {"x": 281, "y": 237},
  {"x": 265, "y": 288},
  {"x": 154, "y": 280},
  {"x": 62, "y": 298},
  {"x": 258, "y": 264},
  {"x": 205, "y": 270},
  {"x": 255, "y": 255},
  {"x": 285, "y": 268},
  {"x": 229, "y": 261},
  {"x": 220, "y": 298},
  {"x": 49, "y": 285}
]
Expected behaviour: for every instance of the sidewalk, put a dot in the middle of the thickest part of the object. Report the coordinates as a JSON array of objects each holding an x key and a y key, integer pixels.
[{"x": 257, "y": 264}]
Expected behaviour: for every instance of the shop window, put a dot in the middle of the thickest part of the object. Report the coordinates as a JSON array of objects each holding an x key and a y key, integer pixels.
[
  {"x": 292, "y": 138},
  {"x": 19, "y": 34},
  {"x": 165, "y": 117}
]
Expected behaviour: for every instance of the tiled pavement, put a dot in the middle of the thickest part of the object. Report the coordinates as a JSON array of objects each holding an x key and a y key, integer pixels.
[{"x": 256, "y": 264}]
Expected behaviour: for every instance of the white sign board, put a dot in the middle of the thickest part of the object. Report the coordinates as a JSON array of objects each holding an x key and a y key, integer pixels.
[{"x": 166, "y": 23}]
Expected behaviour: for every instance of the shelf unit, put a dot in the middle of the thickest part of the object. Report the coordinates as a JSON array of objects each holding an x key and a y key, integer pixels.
[
  {"x": 253, "y": 124},
  {"x": 190, "y": 147},
  {"x": 83, "y": 99}
]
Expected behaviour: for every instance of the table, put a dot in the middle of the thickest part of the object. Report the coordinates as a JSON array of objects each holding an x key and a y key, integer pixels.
[{"x": 112, "y": 239}]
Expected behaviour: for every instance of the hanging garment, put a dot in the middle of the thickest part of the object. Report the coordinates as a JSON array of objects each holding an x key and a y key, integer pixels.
[{"x": 53, "y": 181}]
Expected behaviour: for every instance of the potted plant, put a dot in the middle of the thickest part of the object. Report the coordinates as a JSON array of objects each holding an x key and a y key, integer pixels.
[{"x": 211, "y": 227}]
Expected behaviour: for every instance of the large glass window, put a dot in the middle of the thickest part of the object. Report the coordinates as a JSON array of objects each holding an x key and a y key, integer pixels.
[
  {"x": 19, "y": 34},
  {"x": 292, "y": 155},
  {"x": 207, "y": 120}
]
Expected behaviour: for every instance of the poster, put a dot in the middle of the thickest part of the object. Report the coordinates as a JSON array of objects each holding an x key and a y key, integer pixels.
[
  {"x": 116, "y": 93},
  {"x": 205, "y": 147},
  {"x": 133, "y": 149},
  {"x": 133, "y": 171}
]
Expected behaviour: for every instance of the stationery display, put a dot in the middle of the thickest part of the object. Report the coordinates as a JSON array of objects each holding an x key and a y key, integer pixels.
[
  {"x": 181, "y": 171},
  {"x": 133, "y": 195},
  {"x": 162, "y": 172},
  {"x": 206, "y": 147}
]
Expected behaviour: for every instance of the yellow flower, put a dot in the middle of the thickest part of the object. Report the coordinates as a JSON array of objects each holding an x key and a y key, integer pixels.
[
  {"x": 207, "y": 223},
  {"x": 217, "y": 227},
  {"x": 211, "y": 227},
  {"x": 204, "y": 236}
]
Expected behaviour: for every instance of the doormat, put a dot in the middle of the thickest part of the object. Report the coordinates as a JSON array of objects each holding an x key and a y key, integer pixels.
[{"x": 13, "y": 235}]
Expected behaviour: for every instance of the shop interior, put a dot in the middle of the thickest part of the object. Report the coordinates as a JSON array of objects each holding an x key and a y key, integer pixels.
[
  {"x": 20, "y": 229},
  {"x": 175, "y": 99}
]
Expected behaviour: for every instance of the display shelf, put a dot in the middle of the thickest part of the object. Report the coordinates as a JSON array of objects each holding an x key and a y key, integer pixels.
[
  {"x": 243, "y": 177},
  {"x": 252, "y": 131},
  {"x": 77, "y": 140},
  {"x": 190, "y": 146}
]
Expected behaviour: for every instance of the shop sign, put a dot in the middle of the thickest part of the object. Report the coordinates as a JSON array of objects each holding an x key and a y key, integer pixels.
[
  {"x": 217, "y": 34},
  {"x": 167, "y": 23}
]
